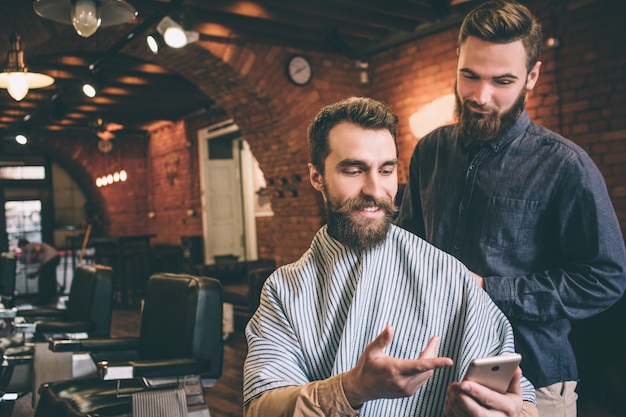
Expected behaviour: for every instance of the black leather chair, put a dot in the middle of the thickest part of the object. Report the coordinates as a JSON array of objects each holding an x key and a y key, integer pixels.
[
  {"x": 87, "y": 313},
  {"x": 88, "y": 309},
  {"x": 8, "y": 264},
  {"x": 178, "y": 352}
]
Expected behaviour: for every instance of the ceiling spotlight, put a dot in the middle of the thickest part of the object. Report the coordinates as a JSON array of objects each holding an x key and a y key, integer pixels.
[
  {"x": 95, "y": 84},
  {"x": 155, "y": 42},
  {"x": 16, "y": 78},
  {"x": 174, "y": 35},
  {"x": 86, "y": 15},
  {"x": 21, "y": 139}
]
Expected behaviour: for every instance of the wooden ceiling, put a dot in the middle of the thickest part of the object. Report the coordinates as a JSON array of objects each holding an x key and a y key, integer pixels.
[{"x": 138, "y": 93}]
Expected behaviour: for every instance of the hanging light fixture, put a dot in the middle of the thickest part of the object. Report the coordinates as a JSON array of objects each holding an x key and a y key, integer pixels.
[
  {"x": 86, "y": 15},
  {"x": 16, "y": 78}
]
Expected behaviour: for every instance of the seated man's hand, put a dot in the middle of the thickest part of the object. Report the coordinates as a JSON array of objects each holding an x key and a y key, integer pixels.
[
  {"x": 378, "y": 375},
  {"x": 470, "y": 399}
]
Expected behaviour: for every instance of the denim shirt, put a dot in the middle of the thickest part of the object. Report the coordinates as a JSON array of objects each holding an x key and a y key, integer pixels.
[{"x": 531, "y": 214}]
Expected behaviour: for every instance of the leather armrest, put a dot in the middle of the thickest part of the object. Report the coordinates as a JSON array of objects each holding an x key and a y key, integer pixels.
[
  {"x": 39, "y": 312},
  {"x": 61, "y": 326},
  {"x": 46, "y": 326},
  {"x": 26, "y": 349},
  {"x": 18, "y": 355},
  {"x": 56, "y": 327},
  {"x": 16, "y": 360},
  {"x": 93, "y": 345},
  {"x": 152, "y": 369}
]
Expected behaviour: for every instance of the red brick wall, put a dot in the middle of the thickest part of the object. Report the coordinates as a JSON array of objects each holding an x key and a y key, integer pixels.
[{"x": 265, "y": 240}]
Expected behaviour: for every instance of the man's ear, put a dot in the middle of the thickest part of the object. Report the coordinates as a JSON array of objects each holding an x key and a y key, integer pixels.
[
  {"x": 316, "y": 178},
  {"x": 533, "y": 76}
]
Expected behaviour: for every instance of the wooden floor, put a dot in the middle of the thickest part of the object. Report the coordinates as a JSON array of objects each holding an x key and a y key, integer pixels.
[{"x": 225, "y": 399}]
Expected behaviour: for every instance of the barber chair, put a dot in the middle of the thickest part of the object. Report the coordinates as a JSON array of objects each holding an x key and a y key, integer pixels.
[
  {"x": 8, "y": 263},
  {"x": 88, "y": 310},
  {"x": 27, "y": 362},
  {"x": 179, "y": 352}
]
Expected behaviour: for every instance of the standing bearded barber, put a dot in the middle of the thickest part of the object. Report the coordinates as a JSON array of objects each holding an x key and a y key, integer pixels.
[{"x": 525, "y": 209}]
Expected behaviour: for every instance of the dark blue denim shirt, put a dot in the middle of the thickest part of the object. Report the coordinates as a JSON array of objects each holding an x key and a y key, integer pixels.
[{"x": 531, "y": 214}]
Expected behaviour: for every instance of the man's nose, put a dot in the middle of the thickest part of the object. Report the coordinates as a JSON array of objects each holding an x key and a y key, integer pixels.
[
  {"x": 373, "y": 186},
  {"x": 482, "y": 94}
]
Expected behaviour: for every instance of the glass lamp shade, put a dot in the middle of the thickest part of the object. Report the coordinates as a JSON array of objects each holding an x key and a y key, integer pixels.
[
  {"x": 18, "y": 83},
  {"x": 85, "y": 17},
  {"x": 18, "y": 86}
]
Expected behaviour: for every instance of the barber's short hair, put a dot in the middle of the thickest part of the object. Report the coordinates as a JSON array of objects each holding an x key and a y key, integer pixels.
[
  {"x": 361, "y": 111},
  {"x": 22, "y": 242},
  {"x": 504, "y": 21}
]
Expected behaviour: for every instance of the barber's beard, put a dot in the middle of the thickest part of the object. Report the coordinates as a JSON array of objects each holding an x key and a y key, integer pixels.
[
  {"x": 476, "y": 128},
  {"x": 357, "y": 232}
]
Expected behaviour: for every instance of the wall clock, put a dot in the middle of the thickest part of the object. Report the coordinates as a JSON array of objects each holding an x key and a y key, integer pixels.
[{"x": 299, "y": 70}]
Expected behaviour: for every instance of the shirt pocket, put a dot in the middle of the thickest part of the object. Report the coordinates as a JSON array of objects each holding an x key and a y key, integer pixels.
[{"x": 508, "y": 222}]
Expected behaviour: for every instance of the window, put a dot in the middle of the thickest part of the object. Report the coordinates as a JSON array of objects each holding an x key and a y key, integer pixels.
[{"x": 22, "y": 173}]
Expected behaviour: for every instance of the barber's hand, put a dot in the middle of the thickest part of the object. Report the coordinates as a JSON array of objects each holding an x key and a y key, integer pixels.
[
  {"x": 378, "y": 375},
  {"x": 471, "y": 399}
]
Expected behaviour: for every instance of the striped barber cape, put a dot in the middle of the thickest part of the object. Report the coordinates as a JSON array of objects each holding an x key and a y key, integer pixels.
[{"x": 318, "y": 314}]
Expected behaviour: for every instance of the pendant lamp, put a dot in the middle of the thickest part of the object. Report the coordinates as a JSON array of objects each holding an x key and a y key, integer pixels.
[
  {"x": 16, "y": 78},
  {"x": 86, "y": 15}
]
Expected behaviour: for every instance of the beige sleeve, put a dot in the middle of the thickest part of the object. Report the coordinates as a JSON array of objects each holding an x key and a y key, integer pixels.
[
  {"x": 324, "y": 398},
  {"x": 529, "y": 410}
]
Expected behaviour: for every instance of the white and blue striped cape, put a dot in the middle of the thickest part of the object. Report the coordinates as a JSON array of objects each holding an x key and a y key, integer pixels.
[{"x": 317, "y": 315}]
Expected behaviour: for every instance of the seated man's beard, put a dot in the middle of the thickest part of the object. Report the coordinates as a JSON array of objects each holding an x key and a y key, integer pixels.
[
  {"x": 477, "y": 129},
  {"x": 357, "y": 232}
]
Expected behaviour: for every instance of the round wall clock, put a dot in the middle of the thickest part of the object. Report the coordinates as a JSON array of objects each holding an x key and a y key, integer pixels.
[{"x": 299, "y": 70}]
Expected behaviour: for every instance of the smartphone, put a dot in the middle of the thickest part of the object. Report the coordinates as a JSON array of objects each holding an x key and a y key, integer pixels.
[{"x": 494, "y": 372}]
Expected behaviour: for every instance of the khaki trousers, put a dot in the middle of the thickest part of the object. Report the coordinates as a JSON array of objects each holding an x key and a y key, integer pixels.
[{"x": 557, "y": 400}]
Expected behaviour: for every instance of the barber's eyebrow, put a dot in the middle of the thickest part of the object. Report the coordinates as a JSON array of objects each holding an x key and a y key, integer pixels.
[{"x": 508, "y": 75}]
